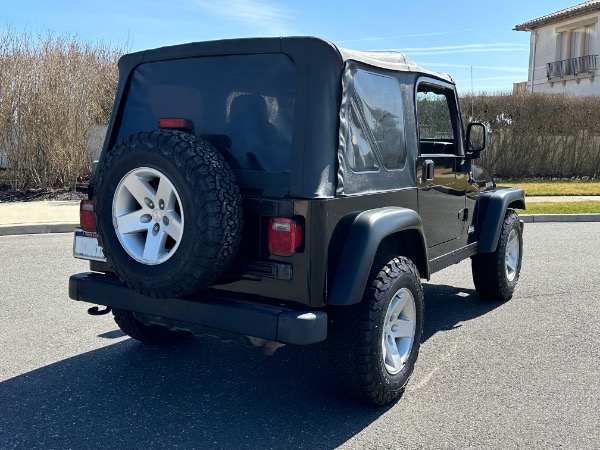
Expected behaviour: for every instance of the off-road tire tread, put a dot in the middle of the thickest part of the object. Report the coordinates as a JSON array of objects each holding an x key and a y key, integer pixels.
[
  {"x": 354, "y": 336},
  {"x": 489, "y": 273},
  {"x": 216, "y": 194}
]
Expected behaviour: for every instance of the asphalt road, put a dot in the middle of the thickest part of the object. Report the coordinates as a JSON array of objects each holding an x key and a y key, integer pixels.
[{"x": 524, "y": 374}]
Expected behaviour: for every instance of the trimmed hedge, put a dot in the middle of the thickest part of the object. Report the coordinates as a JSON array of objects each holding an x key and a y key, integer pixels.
[{"x": 538, "y": 135}]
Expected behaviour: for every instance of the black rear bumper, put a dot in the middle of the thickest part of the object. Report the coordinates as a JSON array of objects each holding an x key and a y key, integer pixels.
[{"x": 233, "y": 315}]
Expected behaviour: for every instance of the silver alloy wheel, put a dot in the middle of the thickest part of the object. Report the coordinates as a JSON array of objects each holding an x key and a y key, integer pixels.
[
  {"x": 512, "y": 254},
  {"x": 148, "y": 216},
  {"x": 398, "y": 330}
]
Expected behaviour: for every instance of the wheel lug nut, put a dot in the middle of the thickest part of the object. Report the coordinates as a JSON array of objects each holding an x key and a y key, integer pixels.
[
  {"x": 161, "y": 204},
  {"x": 156, "y": 227}
]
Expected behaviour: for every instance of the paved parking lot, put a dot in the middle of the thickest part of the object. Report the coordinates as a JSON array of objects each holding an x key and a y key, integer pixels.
[{"x": 524, "y": 374}]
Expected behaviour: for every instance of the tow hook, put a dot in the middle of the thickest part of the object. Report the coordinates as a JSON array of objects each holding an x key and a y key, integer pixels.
[{"x": 95, "y": 311}]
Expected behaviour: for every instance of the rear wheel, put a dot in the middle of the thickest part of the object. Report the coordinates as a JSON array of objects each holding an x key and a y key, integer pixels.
[
  {"x": 148, "y": 223},
  {"x": 148, "y": 334},
  {"x": 496, "y": 274},
  {"x": 373, "y": 346}
]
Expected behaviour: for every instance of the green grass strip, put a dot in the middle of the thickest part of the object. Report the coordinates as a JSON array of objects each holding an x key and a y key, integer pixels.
[
  {"x": 562, "y": 208},
  {"x": 558, "y": 187}
]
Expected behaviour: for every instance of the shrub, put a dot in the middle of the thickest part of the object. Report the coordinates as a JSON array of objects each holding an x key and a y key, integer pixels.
[
  {"x": 53, "y": 90},
  {"x": 538, "y": 135}
]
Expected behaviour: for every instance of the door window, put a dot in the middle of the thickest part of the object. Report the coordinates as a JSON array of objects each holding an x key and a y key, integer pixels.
[{"x": 436, "y": 129}]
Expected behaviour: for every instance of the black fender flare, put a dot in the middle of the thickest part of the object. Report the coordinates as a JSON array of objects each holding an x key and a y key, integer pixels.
[
  {"x": 367, "y": 231},
  {"x": 496, "y": 204}
]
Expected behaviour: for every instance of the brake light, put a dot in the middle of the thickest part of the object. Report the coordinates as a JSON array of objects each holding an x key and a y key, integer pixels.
[
  {"x": 285, "y": 236},
  {"x": 86, "y": 215},
  {"x": 176, "y": 124}
]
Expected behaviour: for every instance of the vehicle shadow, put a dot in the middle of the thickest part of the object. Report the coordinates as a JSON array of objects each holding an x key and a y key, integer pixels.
[
  {"x": 202, "y": 394},
  {"x": 447, "y": 306}
]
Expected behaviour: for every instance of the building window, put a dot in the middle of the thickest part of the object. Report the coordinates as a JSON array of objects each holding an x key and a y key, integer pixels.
[
  {"x": 561, "y": 46},
  {"x": 587, "y": 42},
  {"x": 573, "y": 43},
  {"x": 574, "y": 47}
]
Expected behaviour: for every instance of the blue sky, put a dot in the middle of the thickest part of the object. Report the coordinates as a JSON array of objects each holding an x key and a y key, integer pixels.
[{"x": 445, "y": 36}]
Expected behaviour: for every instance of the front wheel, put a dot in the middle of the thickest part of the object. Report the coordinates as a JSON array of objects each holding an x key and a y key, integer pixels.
[
  {"x": 496, "y": 274},
  {"x": 373, "y": 346}
]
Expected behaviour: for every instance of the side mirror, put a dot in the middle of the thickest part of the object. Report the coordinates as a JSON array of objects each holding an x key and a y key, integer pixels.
[{"x": 476, "y": 139}]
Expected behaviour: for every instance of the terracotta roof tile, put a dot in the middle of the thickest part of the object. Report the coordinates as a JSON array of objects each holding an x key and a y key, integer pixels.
[{"x": 573, "y": 11}]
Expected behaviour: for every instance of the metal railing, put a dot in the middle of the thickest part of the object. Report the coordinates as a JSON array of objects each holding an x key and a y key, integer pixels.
[{"x": 572, "y": 66}]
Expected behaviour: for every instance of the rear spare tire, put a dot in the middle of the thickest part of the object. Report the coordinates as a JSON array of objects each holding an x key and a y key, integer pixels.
[{"x": 168, "y": 213}]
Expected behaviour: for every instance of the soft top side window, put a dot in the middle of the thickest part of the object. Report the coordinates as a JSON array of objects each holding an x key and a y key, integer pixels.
[{"x": 376, "y": 123}]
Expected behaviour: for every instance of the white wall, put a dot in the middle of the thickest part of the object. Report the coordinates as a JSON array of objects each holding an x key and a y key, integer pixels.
[{"x": 95, "y": 143}]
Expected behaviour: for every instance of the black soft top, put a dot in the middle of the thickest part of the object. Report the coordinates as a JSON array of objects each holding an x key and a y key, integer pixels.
[
  {"x": 337, "y": 56},
  {"x": 319, "y": 66}
]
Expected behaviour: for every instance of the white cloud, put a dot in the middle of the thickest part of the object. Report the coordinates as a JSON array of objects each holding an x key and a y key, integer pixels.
[
  {"x": 486, "y": 88},
  {"x": 260, "y": 14},
  {"x": 465, "y": 66},
  {"x": 466, "y": 48},
  {"x": 479, "y": 79},
  {"x": 385, "y": 38}
]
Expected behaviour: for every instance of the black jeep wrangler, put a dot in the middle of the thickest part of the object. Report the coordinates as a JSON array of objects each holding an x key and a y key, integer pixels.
[{"x": 290, "y": 191}]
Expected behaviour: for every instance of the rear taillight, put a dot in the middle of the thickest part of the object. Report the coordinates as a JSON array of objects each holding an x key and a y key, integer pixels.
[
  {"x": 285, "y": 236},
  {"x": 86, "y": 215}
]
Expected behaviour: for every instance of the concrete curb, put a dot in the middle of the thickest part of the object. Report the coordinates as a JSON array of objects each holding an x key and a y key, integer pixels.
[
  {"x": 549, "y": 218},
  {"x": 43, "y": 228},
  {"x": 37, "y": 228}
]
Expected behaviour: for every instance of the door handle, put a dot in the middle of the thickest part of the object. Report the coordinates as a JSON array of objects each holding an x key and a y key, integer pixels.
[{"x": 428, "y": 170}]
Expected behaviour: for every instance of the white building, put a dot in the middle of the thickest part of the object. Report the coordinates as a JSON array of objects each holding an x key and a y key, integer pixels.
[{"x": 564, "y": 48}]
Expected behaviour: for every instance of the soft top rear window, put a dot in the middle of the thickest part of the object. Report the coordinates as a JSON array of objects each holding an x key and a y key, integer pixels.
[{"x": 242, "y": 104}]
